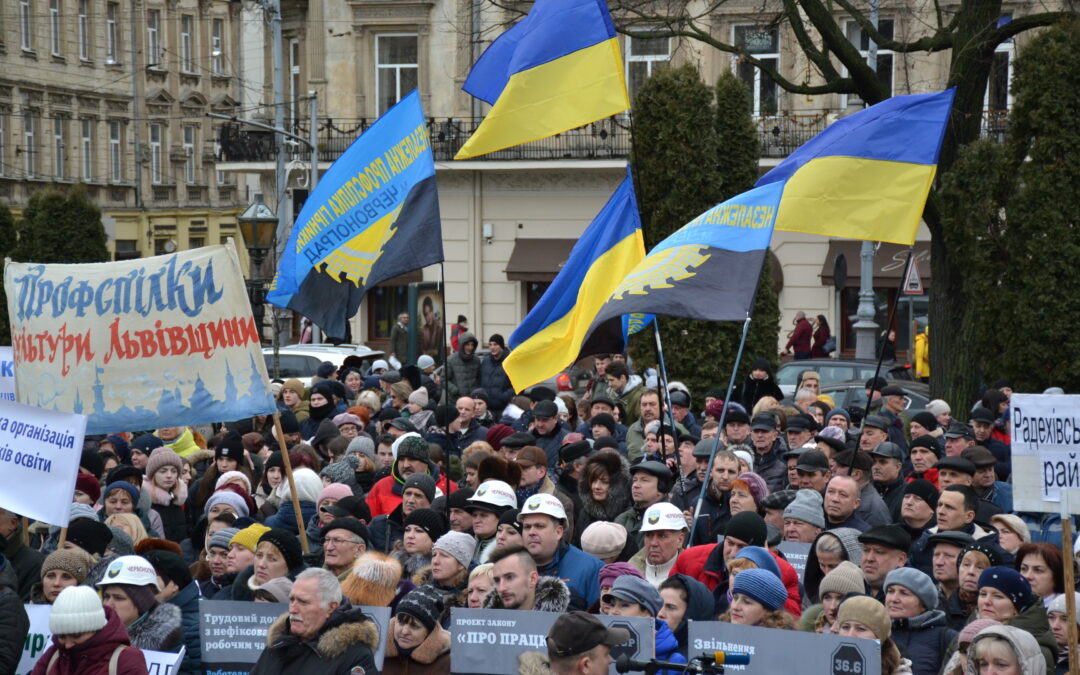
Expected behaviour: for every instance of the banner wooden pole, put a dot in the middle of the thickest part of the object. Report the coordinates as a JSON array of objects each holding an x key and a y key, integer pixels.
[
  {"x": 25, "y": 530},
  {"x": 300, "y": 525},
  {"x": 1070, "y": 584},
  {"x": 62, "y": 539}
]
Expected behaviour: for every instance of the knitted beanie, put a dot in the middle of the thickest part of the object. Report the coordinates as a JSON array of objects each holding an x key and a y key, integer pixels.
[
  {"x": 308, "y": 485},
  {"x": 761, "y": 558},
  {"x": 511, "y": 518},
  {"x": 422, "y": 482},
  {"x": 75, "y": 563},
  {"x": 845, "y": 579},
  {"x": 161, "y": 458},
  {"x": 807, "y": 507},
  {"x": 91, "y": 536},
  {"x": 917, "y": 582},
  {"x": 459, "y": 545},
  {"x": 424, "y": 604},
  {"x": 429, "y": 521},
  {"x": 249, "y": 536},
  {"x": 77, "y": 511},
  {"x": 335, "y": 491},
  {"x": 926, "y": 420},
  {"x": 229, "y": 498},
  {"x": 1010, "y": 582},
  {"x": 372, "y": 581},
  {"x": 170, "y": 567},
  {"x": 747, "y": 527},
  {"x": 924, "y": 490},
  {"x": 222, "y": 537},
  {"x": 231, "y": 476},
  {"x": 762, "y": 586},
  {"x": 296, "y": 386},
  {"x": 121, "y": 543},
  {"x": 604, "y": 539},
  {"x": 414, "y": 447},
  {"x": 867, "y": 611},
  {"x": 127, "y": 487},
  {"x": 77, "y": 610},
  {"x": 612, "y": 571},
  {"x": 88, "y": 485},
  {"x": 289, "y": 546},
  {"x": 974, "y": 628},
  {"x": 756, "y": 485},
  {"x": 1058, "y": 604},
  {"x": 419, "y": 397},
  {"x": 341, "y": 472},
  {"x": 363, "y": 445}
]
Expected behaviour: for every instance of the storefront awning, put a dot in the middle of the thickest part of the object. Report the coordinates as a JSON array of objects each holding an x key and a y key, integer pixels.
[
  {"x": 538, "y": 259},
  {"x": 888, "y": 263}
]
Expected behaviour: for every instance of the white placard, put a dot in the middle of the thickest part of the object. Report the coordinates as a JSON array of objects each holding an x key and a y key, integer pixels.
[
  {"x": 1045, "y": 434},
  {"x": 7, "y": 374}
]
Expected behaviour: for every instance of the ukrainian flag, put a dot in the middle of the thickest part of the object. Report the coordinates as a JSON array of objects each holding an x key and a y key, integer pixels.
[
  {"x": 552, "y": 335},
  {"x": 556, "y": 69},
  {"x": 867, "y": 176}
]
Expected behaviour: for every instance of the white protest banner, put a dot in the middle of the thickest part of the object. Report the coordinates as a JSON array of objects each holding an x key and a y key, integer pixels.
[
  {"x": 138, "y": 344},
  {"x": 796, "y": 553},
  {"x": 7, "y": 374},
  {"x": 801, "y": 652},
  {"x": 232, "y": 634},
  {"x": 1045, "y": 434},
  {"x": 163, "y": 663},
  {"x": 39, "y": 456},
  {"x": 489, "y": 641}
]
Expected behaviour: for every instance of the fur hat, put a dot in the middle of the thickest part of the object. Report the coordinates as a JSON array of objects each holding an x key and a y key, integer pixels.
[
  {"x": 372, "y": 581},
  {"x": 497, "y": 468},
  {"x": 157, "y": 544},
  {"x": 845, "y": 579},
  {"x": 75, "y": 563},
  {"x": 161, "y": 458},
  {"x": 867, "y": 611},
  {"x": 77, "y": 610}
]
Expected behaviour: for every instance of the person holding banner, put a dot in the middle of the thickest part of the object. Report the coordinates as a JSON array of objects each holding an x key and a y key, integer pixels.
[{"x": 88, "y": 639}]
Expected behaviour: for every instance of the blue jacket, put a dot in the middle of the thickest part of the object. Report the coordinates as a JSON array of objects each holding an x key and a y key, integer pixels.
[
  {"x": 494, "y": 381},
  {"x": 579, "y": 571},
  {"x": 188, "y": 602},
  {"x": 285, "y": 518},
  {"x": 667, "y": 647}
]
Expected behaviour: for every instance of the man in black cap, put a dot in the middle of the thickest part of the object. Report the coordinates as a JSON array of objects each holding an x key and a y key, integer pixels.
[
  {"x": 579, "y": 644},
  {"x": 548, "y": 431},
  {"x": 982, "y": 425},
  {"x": 858, "y": 465},
  {"x": 924, "y": 452},
  {"x": 887, "y": 473},
  {"x": 680, "y": 408},
  {"x": 344, "y": 540},
  {"x": 885, "y": 548},
  {"x": 958, "y": 437},
  {"x": 768, "y": 451},
  {"x": 945, "y": 548},
  {"x": 648, "y": 411},
  {"x": 955, "y": 471},
  {"x": 917, "y": 507},
  {"x": 875, "y": 431},
  {"x": 812, "y": 468},
  {"x": 649, "y": 483},
  {"x": 985, "y": 480},
  {"x": 800, "y": 430},
  {"x": 685, "y": 494},
  {"x": 602, "y": 405},
  {"x": 737, "y": 428},
  {"x": 512, "y": 444}
]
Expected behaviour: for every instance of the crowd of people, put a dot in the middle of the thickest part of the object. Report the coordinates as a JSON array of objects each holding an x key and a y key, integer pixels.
[{"x": 424, "y": 491}]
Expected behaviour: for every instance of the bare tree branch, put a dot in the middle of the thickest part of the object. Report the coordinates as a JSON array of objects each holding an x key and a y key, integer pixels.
[
  {"x": 941, "y": 39},
  {"x": 1023, "y": 23}
]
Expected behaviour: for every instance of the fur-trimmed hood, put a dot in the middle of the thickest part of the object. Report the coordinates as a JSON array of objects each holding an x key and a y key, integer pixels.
[
  {"x": 346, "y": 626},
  {"x": 427, "y": 652},
  {"x": 552, "y": 595},
  {"x": 618, "y": 492},
  {"x": 533, "y": 663},
  {"x": 160, "y": 629}
]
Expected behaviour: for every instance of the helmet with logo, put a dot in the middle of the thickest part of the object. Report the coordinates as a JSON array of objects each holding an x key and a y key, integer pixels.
[
  {"x": 548, "y": 505},
  {"x": 493, "y": 495},
  {"x": 133, "y": 570},
  {"x": 662, "y": 516}
]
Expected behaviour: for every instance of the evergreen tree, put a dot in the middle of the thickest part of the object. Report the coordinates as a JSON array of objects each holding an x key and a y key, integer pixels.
[
  {"x": 7, "y": 243},
  {"x": 58, "y": 227},
  {"x": 690, "y": 153}
]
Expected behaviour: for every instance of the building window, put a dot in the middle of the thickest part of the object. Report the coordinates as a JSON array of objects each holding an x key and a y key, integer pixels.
[
  {"x": 87, "y": 150},
  {"x": 217, "y": 54},
  {"x": 294, "y": 81},
  {"x": 534, "y": 290},
  {"x": 126, "y": 249},
  {"x": 26, "y": 39},
  {"x": 396, "y": 68},
  {"x": 860, "y": 39},
  {"x": 196, "y": 242},
  {"x": 153, "y": 37},
  {"x": 116, "y": 166},
  {"x": 155, "y": 153},
  {"x": 29, "y": 139},
  {"x": 187, "y": 28},
  {"x": 385, "y": 303},
  {"x": 998, "y": 94},
  {"x": 59, "y": 153},
  {"x": 763, "y": 42},
  {"x": 644, "y": 56},
  {"x": 84, "y": 31},
  {"x": 189, "y": 153},
  {"x": 54, "y": 27},
  {"x": 112, "y": 47}
]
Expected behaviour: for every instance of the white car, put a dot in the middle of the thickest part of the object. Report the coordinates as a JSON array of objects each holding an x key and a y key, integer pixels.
[{"x": 302, "y": 361}]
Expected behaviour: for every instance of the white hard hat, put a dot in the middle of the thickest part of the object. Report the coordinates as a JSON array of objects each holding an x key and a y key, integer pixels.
[
  {"x": 548, "y": 505},
  {"x": 662, "y": 516},
  {"x": 380, "y": 364},
  {"x": 134, "y": 570},
  {"x": 494, "y": 493}
]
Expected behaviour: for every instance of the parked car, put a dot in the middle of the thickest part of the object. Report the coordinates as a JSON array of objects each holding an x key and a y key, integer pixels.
[
  {"x": 851, "y": 395},
  {"x": 836, "y": 370},
  {"x": 302, "y": 361}
]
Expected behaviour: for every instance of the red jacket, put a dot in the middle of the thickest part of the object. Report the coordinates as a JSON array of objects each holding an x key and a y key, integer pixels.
[
  {"x": 385, "y": 495},
  {"x": 699, "y": 563},
  {"x": 800, "y": 337},
  {"x": 92, "y": 657}
]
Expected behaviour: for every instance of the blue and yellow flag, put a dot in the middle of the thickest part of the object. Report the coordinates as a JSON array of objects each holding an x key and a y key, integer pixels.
[
  {"x": 552, "y": 336},
  {"x": 708, "y": 269},
  {"x": 373, "y": 216},
  {"x": 556, "y": 69},
  {"x": 867, "y": 176}
]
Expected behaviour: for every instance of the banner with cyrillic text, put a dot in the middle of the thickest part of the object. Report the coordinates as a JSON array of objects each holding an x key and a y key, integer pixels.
[
  {"x": 7, "y": 374},
  {"x": 39, "y": 456},
  {"x": 799, "y": 652},
  {"x": 138, "y": 344},
  {"x": 489, "y": 641},
  {"x": 796, "y": 553},
  {"x": 233, "y": 633},
  {"x": 1045, "y": 435}
]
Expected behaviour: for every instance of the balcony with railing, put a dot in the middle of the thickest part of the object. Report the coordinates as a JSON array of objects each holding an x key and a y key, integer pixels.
[{"x": 610, "y": 138}]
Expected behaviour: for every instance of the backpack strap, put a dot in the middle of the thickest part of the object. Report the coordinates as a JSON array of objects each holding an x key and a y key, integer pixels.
[
  {"x": 114, "y": 661},
  {"x": 52, "y": 661}
]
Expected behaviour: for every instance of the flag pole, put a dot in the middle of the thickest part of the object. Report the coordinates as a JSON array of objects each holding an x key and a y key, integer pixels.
[
  {"x": 665, "y": 399},
  {"x": 300, "y": 525},
  {"x": 445, "y": 384},
  {"x": 723, "y": 416}
]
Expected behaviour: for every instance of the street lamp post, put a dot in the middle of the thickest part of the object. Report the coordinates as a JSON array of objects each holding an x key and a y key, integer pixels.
[{"x": 258, "y": 226}]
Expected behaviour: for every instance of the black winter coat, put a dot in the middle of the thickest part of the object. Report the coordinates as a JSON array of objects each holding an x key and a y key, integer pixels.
[
  {"x": 923, "y": 640},
  {"x": 14, "y": 623},
  {"x": 347, "y": 641},
  {"x": 494, "y": 381}
]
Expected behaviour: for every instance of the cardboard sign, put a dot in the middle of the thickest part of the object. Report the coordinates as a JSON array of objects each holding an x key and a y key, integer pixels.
[
  {"x": 163, "y": 663},
  {"x": 796, "y": 553},
  {"x": 1045, "y": 452},
  {"x": 488, "y": 641},
  {"x": 801, "y": 652},
  {"x": 40, "y": 452},
  {"x": 233, "y": 633},
  {"x": 138, "y": 344}
]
